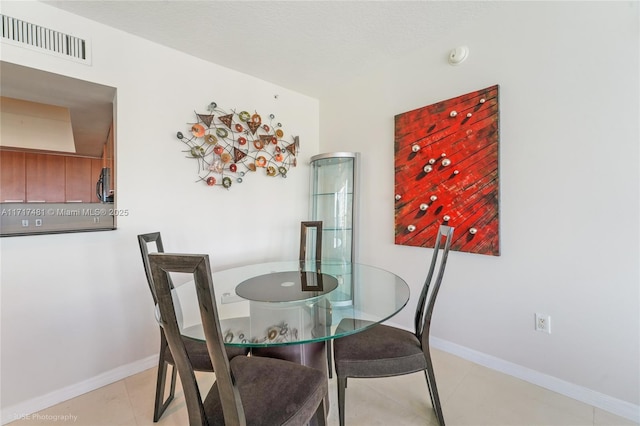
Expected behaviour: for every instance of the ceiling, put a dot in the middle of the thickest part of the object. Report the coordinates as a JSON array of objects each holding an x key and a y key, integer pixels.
[{"x": 306, "y": 46}]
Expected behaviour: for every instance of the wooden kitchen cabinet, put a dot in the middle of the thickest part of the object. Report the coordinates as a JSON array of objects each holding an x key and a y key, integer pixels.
[
  {"x": 78, "y": 172},
  {"x": 45, "y": 178},
  {"x": 12, "y": 177},
  {"x": 34, "y": 177}
]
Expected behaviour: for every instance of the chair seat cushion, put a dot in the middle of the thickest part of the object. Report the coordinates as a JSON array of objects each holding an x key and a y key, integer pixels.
[
  {"x": 378, "y": 351},
  {"x": 199, "y": 355},
  {"x": 273, "y": 391}
]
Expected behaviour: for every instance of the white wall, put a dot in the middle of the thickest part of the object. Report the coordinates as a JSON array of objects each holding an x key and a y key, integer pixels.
[
  {"x": 569, "y": 175},
  {"x": 76, "y": 309}
]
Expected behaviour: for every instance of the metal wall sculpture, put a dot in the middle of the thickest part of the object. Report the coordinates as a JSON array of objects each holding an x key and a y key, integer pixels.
[
  {"x": 446, "y": 171},
  {"x": 228, "y": 145}
]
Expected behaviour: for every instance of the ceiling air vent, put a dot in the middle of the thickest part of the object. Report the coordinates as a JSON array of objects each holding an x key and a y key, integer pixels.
[{"x": 34, "y": 36}]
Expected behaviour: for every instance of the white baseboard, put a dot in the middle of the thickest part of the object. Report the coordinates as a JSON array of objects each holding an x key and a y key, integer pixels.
[
  {"x": 596, "y": 399},
  {"x": 34, "y": 405},
  {"x": 605, "y": 402}
]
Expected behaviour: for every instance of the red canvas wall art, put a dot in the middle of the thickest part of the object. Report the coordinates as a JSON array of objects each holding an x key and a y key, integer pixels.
[{"x": 446, "y": 172}]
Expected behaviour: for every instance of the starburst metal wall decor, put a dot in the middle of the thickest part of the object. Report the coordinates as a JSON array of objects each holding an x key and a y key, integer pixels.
[
  {"x": 446, "y": 171},
  {"x": 228, "y": 145}
]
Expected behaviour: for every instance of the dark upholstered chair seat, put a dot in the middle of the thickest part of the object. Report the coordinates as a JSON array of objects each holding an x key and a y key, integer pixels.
[
  {"x": 199, "y": 355},
  {"x": 379, "y": 351},
  {"x": 273, "y": 392}
]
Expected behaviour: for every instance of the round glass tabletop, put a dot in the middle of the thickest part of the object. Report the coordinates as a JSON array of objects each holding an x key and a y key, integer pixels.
[{"x": 365, "y": 294}]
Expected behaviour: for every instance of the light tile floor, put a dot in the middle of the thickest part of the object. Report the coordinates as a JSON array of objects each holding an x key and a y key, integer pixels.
[{"x": 471, "y": 395}]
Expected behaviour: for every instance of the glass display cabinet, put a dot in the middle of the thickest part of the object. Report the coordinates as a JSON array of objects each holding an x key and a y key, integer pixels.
[{"x": 334, "y": 201}]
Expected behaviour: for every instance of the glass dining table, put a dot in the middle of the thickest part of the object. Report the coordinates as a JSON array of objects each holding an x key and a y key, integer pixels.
[{"x": 290, "y": 309}]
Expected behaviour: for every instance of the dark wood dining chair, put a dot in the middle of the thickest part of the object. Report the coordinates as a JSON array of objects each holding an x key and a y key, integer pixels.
[
  {"x": 196, "y": 349},
  {"x": 384, "y": 351},
  {"x": 304, "y": 232},
  {"x": 316, "y": 255},
  {"x": 248, "y": 390}
]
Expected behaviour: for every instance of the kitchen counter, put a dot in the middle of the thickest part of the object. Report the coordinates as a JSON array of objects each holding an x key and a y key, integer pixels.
[{"x": 45, "y": 218}]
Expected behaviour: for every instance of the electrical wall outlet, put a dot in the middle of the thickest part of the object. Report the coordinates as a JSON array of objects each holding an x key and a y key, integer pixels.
[
  {"x": 230, "y": 298},
  {"x": 543, "y": 323}
]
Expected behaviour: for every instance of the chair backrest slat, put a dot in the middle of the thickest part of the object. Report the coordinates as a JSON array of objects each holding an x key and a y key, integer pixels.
[
  {"x": 427, "y": 299},
  {"x": 304, "y": 230},
  {"x": 146, "y": 240},
  {"x": 231, "y": 402}
]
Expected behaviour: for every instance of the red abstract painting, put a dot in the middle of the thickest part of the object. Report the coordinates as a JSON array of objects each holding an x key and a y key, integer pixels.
[{"x": 446, "y": 172}]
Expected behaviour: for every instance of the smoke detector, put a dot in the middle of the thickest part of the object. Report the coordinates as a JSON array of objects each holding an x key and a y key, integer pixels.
[{"x": 458, "y": 55}]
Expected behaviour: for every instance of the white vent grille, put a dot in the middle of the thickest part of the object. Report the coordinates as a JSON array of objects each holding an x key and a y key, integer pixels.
[{"x": 35, "y": 36}]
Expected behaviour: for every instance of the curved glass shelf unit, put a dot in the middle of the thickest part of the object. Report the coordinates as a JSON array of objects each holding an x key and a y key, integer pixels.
[{"x": 334, "y": 201}]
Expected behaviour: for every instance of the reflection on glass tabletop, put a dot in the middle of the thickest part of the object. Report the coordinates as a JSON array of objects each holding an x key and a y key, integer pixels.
[
  {"x": 367, "y": 294},
  {"x": 287, "y": 286}
]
